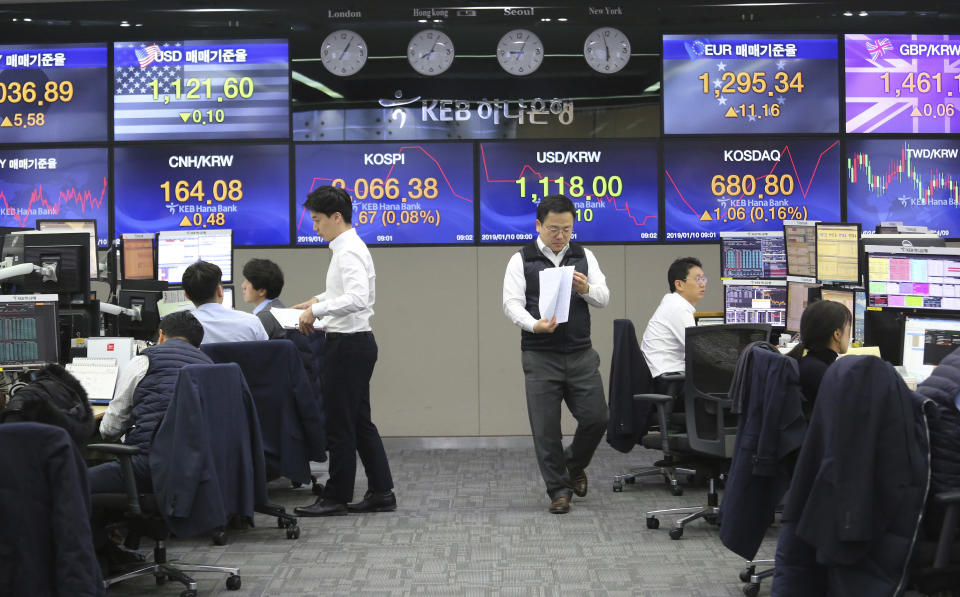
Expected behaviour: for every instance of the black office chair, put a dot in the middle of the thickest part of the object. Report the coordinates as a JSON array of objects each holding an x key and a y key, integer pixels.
[
  {"x": 630, "y": 404},
  {"x": 711, "y": 357}
]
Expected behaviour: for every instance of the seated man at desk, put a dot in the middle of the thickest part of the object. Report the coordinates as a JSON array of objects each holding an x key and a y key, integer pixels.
[
  {"x": 201, "y": 284},
  {"x": 262, "y": 284},
  {"x": 664, "y": 340},
  {"x": 143, "y": 392}
]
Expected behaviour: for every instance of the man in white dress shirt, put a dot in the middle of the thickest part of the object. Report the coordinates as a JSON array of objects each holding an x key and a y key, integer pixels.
[
  {"x": 344, "y": 310},
  {"x": 201, "y": 284},
  {"x": 664, "y": 340},
  {"x": 559, "y": 362}
]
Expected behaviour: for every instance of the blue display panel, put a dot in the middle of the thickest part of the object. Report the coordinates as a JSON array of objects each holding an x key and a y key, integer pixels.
[
  {"x": 713, "y": 185},
  {"x": 52, "y": 184},
  {"x": 914, "y": 181},
  {"x": 750, "y": 84},
  {"x": 403, "y": 193},
  {"x": 902, "y": 83},
  {"x": 245, "y": 188},
  {"x": 53, "y": 93},
  {"x": 195, "y": 89},
  {"x": 612, "y": 183}
]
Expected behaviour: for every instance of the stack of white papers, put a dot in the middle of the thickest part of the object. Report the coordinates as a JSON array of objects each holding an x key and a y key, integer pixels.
[
  {"x": 556, "y": 285},
  {"x": 289, "y": 319},
  {"x": 97, "y": 376}
]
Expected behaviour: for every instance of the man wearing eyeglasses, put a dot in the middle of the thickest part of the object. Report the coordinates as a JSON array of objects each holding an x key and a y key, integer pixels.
[
  {"x": 559, "y": 362},
  {"x": 664, "y": 340}
]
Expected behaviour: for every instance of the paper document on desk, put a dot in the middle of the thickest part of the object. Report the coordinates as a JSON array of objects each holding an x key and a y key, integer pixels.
[
  {"x": 556, "y": 284},
  {"x": 289, "y": 319},
  {"x": 97, "y": 376}
]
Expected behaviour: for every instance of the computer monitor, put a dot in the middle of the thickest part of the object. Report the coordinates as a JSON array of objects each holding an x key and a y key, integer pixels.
[
  {"x": 926, "y": 278},
  {"x": 228, "y": 300},
  {"x": 904, "y": 240},
  {"x": 88, "y": 226},
  {"x": 859, "y": 317},
  {"x": 755, "y": 301},
  {"x": 177, "y": 250},
  {"x": 838, "y": 252},
  {"x": 798, "y": 296},
  {"x": 839, "y": 295},
  {"x": 800, "y": 240},
  {"x": 69, "y": 252},
  {"x": 926, "y": 341},
  {"x": 752, "y": 255},
  {"x": 146, "y": 302},
  {"x": 137, "y": 256},
  {"x": 28, "y": 330}
]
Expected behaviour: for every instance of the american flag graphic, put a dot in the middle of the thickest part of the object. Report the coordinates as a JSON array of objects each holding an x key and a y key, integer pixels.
[
  {"x": 147, "y": 55},
  {"x": 878, "y": 48}
]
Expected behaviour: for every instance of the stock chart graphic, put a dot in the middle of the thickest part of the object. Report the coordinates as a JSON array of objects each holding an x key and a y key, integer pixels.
[
  {"x": 612, "y": 183},
  {"x": 403, "y": 193},
  {"x": 712, "y": 186},
  {"x": 51, "y": 184},
  {"x": 914, "y": 181}
]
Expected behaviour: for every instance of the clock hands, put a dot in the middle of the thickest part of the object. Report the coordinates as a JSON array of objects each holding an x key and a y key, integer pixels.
[{"x": 345, "y": 48}]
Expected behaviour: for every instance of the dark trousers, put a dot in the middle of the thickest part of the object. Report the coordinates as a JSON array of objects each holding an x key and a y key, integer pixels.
[
  {"x": 552, "y": 378},
  {"x": 348, "y": 367},
  {"x": 107, "y": 477}
]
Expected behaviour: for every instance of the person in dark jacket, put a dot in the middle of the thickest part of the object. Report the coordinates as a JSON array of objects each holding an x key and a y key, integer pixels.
[
  {"x": 825, "y": 328},
  {"x": 142, "y": 395}
]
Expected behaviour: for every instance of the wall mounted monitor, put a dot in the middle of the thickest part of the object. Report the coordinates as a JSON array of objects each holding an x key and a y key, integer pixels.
[
  {"x": 612, "y": 183},
  {"x": 53, "y": 93},
  {"x": 914, "y": 181},
  {"x": 28, "y": 330},
  {"x": 901, "y": 83},
  {"x": 926, "y": 341},
  {"x": 838, "y": 252},
  {"x": 755, "y": 301},
  {"x": 798, "y": 297},
  {"x": 178, "y": 249},
  {"x": 88, "y": 226},
  {"x": 913, "y": 278},
  {"x": 201, "y": 89},
  {"x": 749, "y": 84},
  {"x": 214, "y": 186},
  {"x": 715, "y": 184},
  {"x": 752, "y": 255},
  {"x": 68, "y": 184},
  {"x": 403, "y": 193},
  {"x": 800, "y": 241},
  {"x": 138, "y": 256}
]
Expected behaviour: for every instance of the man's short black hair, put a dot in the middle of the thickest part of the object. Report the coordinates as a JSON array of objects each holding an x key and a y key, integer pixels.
[
  {"x": 182, "y": 324},
  {"x": 200, "y": 281},
  {"x": 557, "y": 204},
  {"x": 330, "y": 200},
  {"x": 264, "y": 274},
  {"x": 679, "y": 270}
]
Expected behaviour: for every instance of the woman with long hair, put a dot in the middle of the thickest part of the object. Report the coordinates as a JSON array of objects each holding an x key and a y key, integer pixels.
[{"x": 825, "y": 328}]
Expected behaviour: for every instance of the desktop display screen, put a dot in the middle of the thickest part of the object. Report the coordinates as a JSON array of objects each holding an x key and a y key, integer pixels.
[
  {"x": 798, "y": 295},
  {"x": 755, "y": 301},
  {"x": 28, "y": 330},
  {"x": 177, "y": 250},
  {"x": 228, "y": 297},
  {"x": 859, "y": 317},
  {"x": 752, "y": 255},
  {"x": 838, "y": 253},
  {"x": 800, "y": 239},
  {"x": 88, "y": 226},
  {"x": 917, "y": 278},
  {"x": 137, "y": 256},
  {"x": 926, "y": 341},
  {"x": 837, "y": 295}
]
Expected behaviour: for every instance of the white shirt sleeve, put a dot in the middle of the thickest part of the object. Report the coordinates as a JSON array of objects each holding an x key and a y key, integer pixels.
[
  {"x": 515, "y": 294},
  {"x": 678, "y": 320},
  {"x": 598, "y": 295},
  {"x": 356, "y": 289},
  {"x": 116, "y": 421}
]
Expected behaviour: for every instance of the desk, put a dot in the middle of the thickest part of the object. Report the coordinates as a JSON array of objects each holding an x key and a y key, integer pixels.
[{"x": 98, "y": 410}]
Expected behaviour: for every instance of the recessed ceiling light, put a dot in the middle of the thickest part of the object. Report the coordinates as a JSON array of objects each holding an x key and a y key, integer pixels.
[
  {"x": 562, "y": 19},
  {"x": 848, "y": 14},
  {"x": 545, "y": 19},
  {"x": 422, "y": 20},
  {"x": 27, "y": 19},
  {"x": 863, "y": 13}
]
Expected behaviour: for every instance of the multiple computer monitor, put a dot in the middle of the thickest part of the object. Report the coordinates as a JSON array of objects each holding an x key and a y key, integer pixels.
[
  {"x": 28, "y": 330},
  {"x": 88, "y": 226},
  {"x": 177, "y": 250}
]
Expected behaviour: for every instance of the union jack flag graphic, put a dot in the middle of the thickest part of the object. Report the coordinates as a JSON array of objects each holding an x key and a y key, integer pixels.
[
  {"x": 147, "y": 55},
  {"x": 878, "y": 48}
]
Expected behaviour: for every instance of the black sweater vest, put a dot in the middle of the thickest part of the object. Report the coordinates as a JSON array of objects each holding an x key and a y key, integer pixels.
[{"x": 568, "y": 337}]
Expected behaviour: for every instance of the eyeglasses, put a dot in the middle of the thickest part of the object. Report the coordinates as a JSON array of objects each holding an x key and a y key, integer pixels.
[
  {"x": 700, "y": 279},
  {"x": 554, "y": 230}
]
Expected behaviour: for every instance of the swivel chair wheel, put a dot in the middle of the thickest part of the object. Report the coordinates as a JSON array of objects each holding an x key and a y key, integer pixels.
[
  {"x": 676, "y": 490},
  {"x": 653, "y": 523},
  {"x": 751, "y": 590},
  {"x": 293, "y": 532},
  {"x": 188, "y": 593},
  {"x": 617, "y": 486},
  {"x": 711, "y": 519},
  {"x": 233, "y": 582},
  {"x": 746, "y": 573},
  {"x": 219, "y": 537},
  {"x": 676, "y": 533}
]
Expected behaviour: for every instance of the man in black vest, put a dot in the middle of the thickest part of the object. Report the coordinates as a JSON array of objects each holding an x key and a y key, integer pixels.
[{"x": 559, "y": 363}]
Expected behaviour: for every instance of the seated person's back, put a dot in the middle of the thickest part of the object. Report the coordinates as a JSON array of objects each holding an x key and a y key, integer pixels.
[
  {"x": 201, "y": 284},
  {"x": 664, "y": 339},
  {"x": 825, "y": 328}
]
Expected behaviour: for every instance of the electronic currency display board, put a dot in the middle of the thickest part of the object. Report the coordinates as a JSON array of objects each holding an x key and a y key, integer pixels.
[
  {"x": 902, "y": 83},
  {"x": 243, "y": 187},
  {"x": 196, "y": 89},
  {"x": 53, "y": 93},
  {"x": 54, "y": 184},
  {"x": 914, "y": 181},
  {"x": 713, "y": 185},
  {"x": 612, "y": 183},
  {"x": 750, "y": 84},
  {"x": 403, "y": 193}
]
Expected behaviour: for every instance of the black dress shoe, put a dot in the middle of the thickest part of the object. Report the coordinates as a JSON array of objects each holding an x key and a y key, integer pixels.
[
  {"x": 578, "y": 482},
  {"x": 375, "y": 502},
  {"x": 322, "y": 507}
]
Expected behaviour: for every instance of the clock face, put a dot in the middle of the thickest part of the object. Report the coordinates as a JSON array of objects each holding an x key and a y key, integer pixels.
[
  {"x": 520, "y": 52},
  {"x": 430, "y": 52},
  {"x": 607, "y": 50},
  {"x": 344, "y": 52}
]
